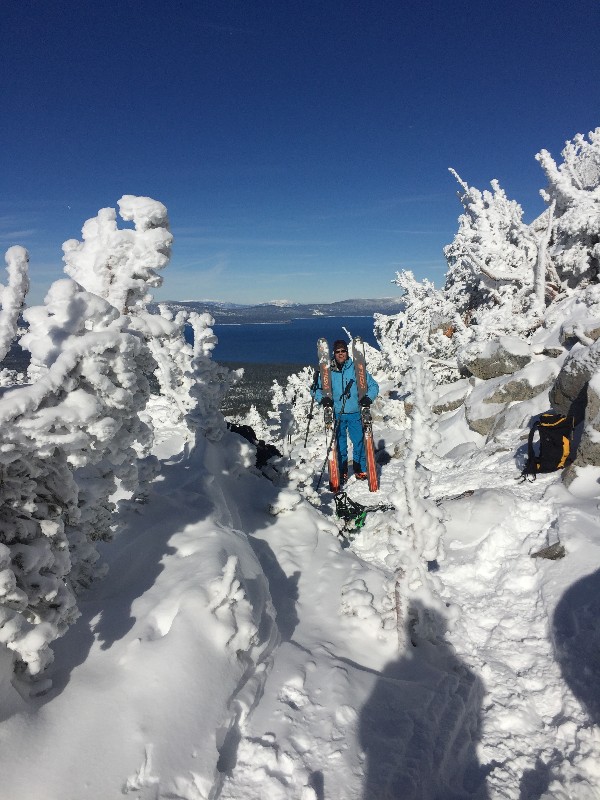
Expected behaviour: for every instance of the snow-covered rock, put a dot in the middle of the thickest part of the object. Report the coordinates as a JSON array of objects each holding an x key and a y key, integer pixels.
[
  {"x": 588, "y": 451},
  {"x": 586, "y": 331},
  {"x": 488, "y": 401},
  {"x": 450, "y": 396},
  {"x": 490, "y": 359},
  {"x": 568, "y": 394}
]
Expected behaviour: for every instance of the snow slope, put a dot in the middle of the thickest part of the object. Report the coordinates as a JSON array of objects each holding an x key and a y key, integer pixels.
[{"x": 237, "y": 650}]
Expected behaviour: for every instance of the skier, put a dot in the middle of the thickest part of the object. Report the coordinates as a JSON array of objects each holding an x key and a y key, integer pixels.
[{"x": 346, "y": 409}]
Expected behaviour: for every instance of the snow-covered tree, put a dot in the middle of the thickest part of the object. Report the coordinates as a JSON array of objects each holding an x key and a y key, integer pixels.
[
  {"x": 417, "y": 515},
  {"x": 427, "y": 326},
  {"x": 491, "y": 263},
  {"x": 253, "y": 419},
  {"x": 502, "y": 273},
  {"x": 121, "y": 264},
  {"x": 90, "y": 387},
  {"x": 38, "y": 502},
  {"x": 75, "y": 429},
  {"x": 574, "y": 190},
  {"x": 12, "y": 296},
  {"x": 211, "y": 380}
]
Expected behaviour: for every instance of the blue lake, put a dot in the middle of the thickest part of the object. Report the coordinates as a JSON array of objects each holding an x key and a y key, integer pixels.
[{"x": 292, "y": 342}]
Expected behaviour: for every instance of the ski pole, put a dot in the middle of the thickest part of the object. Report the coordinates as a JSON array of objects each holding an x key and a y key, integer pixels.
[{"x": 312, "y": 405}]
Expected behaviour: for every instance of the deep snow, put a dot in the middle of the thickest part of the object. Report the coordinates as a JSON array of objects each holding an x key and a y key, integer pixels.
[{"x": 233, "y": 652}]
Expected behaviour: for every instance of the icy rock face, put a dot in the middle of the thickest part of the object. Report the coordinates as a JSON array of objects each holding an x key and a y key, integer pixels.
[
  {"x": 490, "y": 359},
  {"x": 588, "y": 451},
  {"x": 568, "y": 395}
]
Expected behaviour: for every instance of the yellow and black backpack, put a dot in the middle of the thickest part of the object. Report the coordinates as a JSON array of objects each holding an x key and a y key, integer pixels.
[{"x": 556, "y": 444}]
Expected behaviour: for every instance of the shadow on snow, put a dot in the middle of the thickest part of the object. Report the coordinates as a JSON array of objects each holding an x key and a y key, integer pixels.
[
  {"x": 420, "y": 726},
  {"x": 576, "y": 633}
]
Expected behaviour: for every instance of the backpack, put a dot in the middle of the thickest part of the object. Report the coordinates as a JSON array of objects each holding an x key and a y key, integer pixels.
[{"x": 556, "y": 444}]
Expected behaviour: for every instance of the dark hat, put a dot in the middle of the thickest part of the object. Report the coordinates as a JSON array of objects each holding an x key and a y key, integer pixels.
[{"x": 340, "y": 344}]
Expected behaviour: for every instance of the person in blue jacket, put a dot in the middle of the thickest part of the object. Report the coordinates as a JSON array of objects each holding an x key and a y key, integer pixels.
[{"x": 346, "y": 409}]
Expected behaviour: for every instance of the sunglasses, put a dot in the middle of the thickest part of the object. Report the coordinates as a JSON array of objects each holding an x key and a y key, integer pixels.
[{"x": 337, "y": 352}]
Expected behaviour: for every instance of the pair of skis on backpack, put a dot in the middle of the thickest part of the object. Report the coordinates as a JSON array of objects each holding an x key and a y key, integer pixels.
[{"x": 360, "y": 371}]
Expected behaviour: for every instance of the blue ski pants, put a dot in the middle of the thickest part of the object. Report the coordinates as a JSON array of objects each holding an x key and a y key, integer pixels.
[{"x": 350, "y": 425}]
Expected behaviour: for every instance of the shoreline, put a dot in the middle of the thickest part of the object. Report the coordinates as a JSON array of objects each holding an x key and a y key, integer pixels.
[{"x": 297, "y": 319}]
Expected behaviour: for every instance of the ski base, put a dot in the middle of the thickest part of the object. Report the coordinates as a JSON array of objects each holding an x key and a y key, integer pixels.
[
  {"x": 360, "y": 369},
  {"x": 325, "y": 376}
]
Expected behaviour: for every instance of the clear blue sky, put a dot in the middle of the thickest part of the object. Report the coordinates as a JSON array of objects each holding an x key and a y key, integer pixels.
[{"x": 302, "y": 148}]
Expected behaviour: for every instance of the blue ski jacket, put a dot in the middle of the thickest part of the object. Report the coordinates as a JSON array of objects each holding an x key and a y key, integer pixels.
[{"x": 340, "y": 380}]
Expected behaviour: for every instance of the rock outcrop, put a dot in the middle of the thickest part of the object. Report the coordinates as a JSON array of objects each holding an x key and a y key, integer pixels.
[
  {"x": 568, "y": 395},
  {"x": 491, "y": 359},
  {"x": 485, "y": 407}
]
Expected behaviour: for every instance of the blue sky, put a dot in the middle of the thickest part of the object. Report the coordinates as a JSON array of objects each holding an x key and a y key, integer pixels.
[{"x": 302, "y": 148}]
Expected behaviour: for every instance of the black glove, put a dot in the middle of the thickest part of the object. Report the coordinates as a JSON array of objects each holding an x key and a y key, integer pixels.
[
  {"x": 365, "y": 401},
  {"x": 327, "y": 402}
]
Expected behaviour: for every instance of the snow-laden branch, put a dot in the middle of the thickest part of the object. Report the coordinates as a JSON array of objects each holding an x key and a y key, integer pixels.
[
  {"x": 541, "y": 263},
  {"x": 120, "y": 265}
]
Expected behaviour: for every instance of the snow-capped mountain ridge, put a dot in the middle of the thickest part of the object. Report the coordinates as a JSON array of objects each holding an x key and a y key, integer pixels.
[{"x": 277, "y": 312}]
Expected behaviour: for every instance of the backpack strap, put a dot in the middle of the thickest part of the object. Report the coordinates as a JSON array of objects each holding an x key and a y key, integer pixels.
[{"x": 567, "y": 442}]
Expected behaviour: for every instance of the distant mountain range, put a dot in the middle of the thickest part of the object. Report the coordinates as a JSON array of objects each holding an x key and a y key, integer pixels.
[{"x": 224, "y": 313}]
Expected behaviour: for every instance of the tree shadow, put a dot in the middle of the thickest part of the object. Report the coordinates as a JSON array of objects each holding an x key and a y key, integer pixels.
[
  {"x": 284, "y": 590},
  {"x": 420, "y": 726},
  {"x": 535, "y": 782},
  {"x": 316, "y": 781},
  {"x": 135, "y": 559},
  {"x": 576, "y": 636},
  {"x": 186, "y": 492},
  {"x": 381, "y": 454}
]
